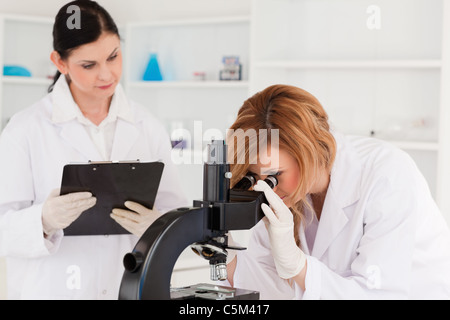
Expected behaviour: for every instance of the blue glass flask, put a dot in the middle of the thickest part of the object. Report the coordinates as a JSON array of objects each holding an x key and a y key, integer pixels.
[{"x": 153, "y": 73}]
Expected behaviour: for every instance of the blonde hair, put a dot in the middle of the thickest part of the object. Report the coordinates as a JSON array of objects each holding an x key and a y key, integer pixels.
[{"x": 303, "y": 130}]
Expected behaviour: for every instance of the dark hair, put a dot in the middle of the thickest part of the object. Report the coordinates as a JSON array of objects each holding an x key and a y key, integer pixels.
[{"x": 94, "y": 20}]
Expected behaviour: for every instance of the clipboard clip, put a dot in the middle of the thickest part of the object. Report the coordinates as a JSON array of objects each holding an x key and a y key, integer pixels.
[
  {"x": 130, "y": 162},
  {"x": 122, "y": 161}
]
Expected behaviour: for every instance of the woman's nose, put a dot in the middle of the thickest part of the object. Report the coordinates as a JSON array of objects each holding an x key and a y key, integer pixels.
[{"x": 105, "y": 73}]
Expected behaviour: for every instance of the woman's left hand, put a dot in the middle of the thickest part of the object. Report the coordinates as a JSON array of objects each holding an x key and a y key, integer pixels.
[
  {"x": 137, "y": 219},
  {"x": 289, "y": 258}
]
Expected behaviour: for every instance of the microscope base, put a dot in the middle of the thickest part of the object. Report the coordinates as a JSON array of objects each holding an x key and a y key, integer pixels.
[{"x": 205, "y": 291}]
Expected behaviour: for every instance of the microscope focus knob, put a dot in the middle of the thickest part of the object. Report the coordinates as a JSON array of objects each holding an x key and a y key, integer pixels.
[{"x": 132, "y": 261}]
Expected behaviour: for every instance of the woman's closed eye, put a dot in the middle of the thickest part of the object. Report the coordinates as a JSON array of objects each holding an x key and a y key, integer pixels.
[
  {"x": 113, "y": 57},
  {"x": 88, "y": 66}
]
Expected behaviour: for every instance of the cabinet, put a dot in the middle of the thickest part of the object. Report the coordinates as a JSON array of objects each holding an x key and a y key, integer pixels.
[
  {"x": 17, "y": 47},
  {"x": 205, "y": 109},
  {"x": 379, "y": 68},
  {"x": 183, "y": 48},
  {"x": 26, "y": 42}
]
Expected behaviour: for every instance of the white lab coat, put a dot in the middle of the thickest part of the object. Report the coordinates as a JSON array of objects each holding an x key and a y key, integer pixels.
[
  {"x": 380, "y": 235},
  {"x": 33, "y": 152}
]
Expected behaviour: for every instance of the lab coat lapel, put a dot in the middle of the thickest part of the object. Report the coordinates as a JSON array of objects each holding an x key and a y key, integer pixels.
[
  {"x": 332, "y": 221},
  {"x": 124, "y": 139},
  {"x": 64, "y": 115},
  {"x": 76, "y": 135},
  {"x": 343, "y": 191},
  {"x": 127, "y": 133}
]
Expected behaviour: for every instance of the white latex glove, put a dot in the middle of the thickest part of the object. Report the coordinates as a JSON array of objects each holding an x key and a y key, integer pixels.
[
  {"x": 289, "y": 258},
  {"x": 58, "y": 212},
  {"x": 137, "y": 219}
]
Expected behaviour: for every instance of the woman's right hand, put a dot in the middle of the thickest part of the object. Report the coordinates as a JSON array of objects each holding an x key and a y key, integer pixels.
[
  {"x": 288, "y": 257},
  {"x": 59, "y": 211}
]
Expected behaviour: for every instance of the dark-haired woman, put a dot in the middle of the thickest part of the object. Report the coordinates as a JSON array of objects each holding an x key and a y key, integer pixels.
[{"x": 86, "y": 116}]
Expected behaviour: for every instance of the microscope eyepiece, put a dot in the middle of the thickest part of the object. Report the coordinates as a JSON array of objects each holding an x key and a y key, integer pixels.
[
  {"x": 246, "y": 183},
  {"x": 249, "y": 181},
  {"x": 272, "y": 181}
]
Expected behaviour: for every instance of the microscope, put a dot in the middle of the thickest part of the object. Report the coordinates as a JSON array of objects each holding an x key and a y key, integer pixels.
[{"x": 204, "y": 227}]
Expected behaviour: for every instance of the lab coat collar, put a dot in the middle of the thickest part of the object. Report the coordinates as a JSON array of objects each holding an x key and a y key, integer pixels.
[
  {"x": 66, "y": 115},
  {"x": 125, "y": 137},
  {"x": 346, "y": 172},
  {"x": 66, "y": 109},
  {"x": 343, "y": 191},
  {"x": 122, "y": 106}
]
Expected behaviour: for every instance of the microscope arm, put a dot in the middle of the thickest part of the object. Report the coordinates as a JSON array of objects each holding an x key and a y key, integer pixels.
[{"x": 149, "y": 267}]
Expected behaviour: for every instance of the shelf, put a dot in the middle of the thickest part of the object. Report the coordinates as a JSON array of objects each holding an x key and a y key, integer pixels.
[
  {"x": 350, "y": 64},
  {"x": 190, "y": 84},
  {"x": 26, "y": 80}
]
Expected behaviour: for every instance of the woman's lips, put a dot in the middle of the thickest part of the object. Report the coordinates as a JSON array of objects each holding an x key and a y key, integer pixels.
[{"x": 105, "y": 87}]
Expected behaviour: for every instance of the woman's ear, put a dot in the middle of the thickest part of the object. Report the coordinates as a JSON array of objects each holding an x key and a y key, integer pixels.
[{"x": 58, "y": 62}]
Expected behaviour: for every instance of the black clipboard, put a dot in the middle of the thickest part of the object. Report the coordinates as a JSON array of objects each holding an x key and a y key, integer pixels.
[{"x": 112, "y": 183}]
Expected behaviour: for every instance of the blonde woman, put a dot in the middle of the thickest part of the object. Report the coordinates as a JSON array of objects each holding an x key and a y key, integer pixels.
[{"x": 351, "y": 218}]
